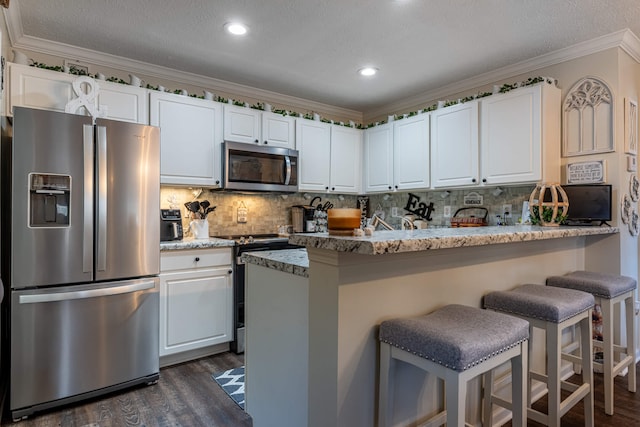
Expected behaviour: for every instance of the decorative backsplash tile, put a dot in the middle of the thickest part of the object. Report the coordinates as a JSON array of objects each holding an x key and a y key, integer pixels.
[{"x": 266, "y": 211}]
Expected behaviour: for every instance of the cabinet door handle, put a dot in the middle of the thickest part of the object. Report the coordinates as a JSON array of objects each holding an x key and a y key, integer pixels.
[
  {"x": 326, "y": 188},
  {"x": 197, "y": 259},
  {"x": 256, "y": 141},
  {"x": 390, "y": 187},
  {"x": 230, "y": 271},
  {"x": 266, "y": 142},
  {"x": 484, "y": 179},
  {"x": 473, "y": 180},
  {"x": 396, "y": 187},
  {"x": 333, "y": 188}
]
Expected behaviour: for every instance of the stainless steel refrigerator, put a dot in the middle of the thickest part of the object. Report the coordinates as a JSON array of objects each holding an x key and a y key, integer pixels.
[{"x": 80, "y": 256}]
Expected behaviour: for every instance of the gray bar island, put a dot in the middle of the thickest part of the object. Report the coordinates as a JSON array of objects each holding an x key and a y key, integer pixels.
[{"x": 312, "y": 322}]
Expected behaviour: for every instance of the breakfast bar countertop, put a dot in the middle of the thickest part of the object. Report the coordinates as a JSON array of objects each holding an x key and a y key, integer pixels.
[
  {"x": 398, "y": 241},
  {"x": 294, "y": 261}
]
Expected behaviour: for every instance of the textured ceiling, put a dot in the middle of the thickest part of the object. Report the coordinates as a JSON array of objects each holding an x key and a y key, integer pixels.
[{"x": 312, "y": 49}]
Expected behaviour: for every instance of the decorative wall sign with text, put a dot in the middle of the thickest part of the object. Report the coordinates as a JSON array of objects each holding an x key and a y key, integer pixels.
[
  {"x": 592, "y": 172},
  {"x": 421, "y": 209}
]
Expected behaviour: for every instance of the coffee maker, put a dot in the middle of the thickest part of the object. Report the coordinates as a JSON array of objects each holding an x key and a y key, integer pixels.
[{"x": 302, "y": 219}]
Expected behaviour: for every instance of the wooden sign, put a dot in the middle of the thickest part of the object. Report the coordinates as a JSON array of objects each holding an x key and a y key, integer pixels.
[{"x": 592, "y": 172}]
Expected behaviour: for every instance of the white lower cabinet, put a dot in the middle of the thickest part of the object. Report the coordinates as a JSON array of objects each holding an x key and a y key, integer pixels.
[{"x": 196, "y": 297}]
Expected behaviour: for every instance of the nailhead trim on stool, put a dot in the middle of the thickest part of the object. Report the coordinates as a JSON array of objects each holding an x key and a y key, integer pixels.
[
  {"x": 608, "y": 290},
  {"x": 455, "y": 343},
  {"x": 553, "y": 310}
]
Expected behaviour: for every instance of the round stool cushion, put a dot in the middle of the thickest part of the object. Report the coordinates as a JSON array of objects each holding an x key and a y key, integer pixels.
[
  {"x": 540, "y": 302},
  {"x": 456, "y": 336},
  {"x": 602, "y": 285}
]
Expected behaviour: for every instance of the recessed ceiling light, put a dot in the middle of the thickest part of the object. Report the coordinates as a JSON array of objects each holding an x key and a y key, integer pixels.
[
  {"x": 367, "y": 71},
  {"x": 236, "y": 28}
]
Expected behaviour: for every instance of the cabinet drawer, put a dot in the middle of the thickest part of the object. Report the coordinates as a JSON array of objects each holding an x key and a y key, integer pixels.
[{"x": 194, "y": 259}]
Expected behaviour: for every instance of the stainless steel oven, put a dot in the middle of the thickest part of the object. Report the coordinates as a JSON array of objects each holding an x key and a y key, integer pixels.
[
  {"x": 250, "y": 167},
  {"x": 266, "y": 242}
]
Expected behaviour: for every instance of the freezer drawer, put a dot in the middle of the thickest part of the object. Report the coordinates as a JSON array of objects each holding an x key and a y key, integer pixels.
[{"x": 74, "y": 341}]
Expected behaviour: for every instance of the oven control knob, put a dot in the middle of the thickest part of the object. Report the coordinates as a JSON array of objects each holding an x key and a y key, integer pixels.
[
  {"x": 241, "y": 240},
  {"x": 250, "y": 239}
]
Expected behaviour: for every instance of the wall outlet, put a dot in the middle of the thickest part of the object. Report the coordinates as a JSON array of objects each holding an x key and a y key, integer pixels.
[
  {"x": 447, "y": 212},
  {"x": 394, "y": 211},
  {"x": 507, "y": 210}
]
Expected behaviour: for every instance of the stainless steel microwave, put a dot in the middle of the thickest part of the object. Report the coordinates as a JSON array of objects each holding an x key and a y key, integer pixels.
[{"x": 248, "y": 167}]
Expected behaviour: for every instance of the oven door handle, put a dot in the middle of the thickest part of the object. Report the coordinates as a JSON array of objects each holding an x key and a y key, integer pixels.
[{"x": 239, "y": 260}]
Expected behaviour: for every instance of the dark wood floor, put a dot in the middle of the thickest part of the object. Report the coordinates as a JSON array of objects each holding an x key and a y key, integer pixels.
[
  {"x": 187, "y": 396},
  {"x": 626, "y": 406}
]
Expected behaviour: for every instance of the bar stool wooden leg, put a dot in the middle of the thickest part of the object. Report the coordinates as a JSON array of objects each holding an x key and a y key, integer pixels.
[
  {"x": 554, "y": 346},
  {"x": 455, "y": 398},
  {"x": 587, "y": 366},
  {"x": 607, "y": 351},
  {"x": 631, "y": 341},
  {"x": 519, "y": 387},
  {"x": 386, "y": 386}
]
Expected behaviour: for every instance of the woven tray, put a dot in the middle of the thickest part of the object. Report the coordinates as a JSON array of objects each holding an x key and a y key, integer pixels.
[{"x": 473, "y": 217}]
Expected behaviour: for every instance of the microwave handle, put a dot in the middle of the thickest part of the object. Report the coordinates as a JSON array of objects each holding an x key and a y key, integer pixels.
[{"x": 287, "y": 162}]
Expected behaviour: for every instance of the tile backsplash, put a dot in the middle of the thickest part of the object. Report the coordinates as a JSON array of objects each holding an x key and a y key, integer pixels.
[{"x": 266, "y": 211}]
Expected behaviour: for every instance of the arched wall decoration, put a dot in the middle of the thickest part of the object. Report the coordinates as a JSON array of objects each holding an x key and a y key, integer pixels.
[{"x": 588, "y": 118}]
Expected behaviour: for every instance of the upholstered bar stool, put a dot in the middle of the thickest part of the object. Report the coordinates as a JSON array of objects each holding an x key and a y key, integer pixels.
[
  {"x": 608, "y": 290},
  {"x": 455, "y": 343},
  {"x": 553, "y": 310}
]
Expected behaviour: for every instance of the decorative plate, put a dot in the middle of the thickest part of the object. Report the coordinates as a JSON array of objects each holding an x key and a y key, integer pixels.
[
  {"x": 625, "y": 211},
  {"x": 634, "y": 188},
  {"x": 633, "y": 223}
]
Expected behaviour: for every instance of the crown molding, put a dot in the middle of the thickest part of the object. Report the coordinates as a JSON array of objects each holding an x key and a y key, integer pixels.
[{"x": 624, "y": 39}]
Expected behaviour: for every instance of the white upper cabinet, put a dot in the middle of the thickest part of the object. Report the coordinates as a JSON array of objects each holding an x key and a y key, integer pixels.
[
  {"x": 330, "y": 157},
  {"x": 520, "y": 136},
  {"x": 37, "y": 88},
  {"x": 278, "y": 130},
  {"x": 190, "y": 139},
  {"x": 124, "y": 102},
  {"x": 242, "y": 124},
  {"x": 51, "y": 90},
  {"x": 253, "y": 126},
  {"x": 346, "y": 155},
  {"x": 411, "y": 153},
  {"x": 454, "y": 145},
  {"x": 313, "y": 141},
  {"x": 378, "y": 158}
]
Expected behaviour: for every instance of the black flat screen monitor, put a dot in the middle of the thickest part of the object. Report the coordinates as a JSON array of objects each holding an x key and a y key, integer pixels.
[{"x": 588, "y": 203}]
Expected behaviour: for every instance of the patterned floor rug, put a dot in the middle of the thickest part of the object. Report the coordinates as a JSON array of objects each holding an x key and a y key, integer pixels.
[{"x": 232, "y": 382}]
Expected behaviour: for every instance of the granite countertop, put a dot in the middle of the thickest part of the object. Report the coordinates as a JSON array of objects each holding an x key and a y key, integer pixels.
[
  {"x": 294, "y": 261},
  {"x": 191, "y": 243},
  {"x": 397, "y": 241}
]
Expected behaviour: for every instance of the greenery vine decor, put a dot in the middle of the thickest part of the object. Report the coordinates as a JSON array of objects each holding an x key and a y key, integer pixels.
[
  {"x": 310, "y": 115},
  {"x": 547, "y": 216},
  {"x": 497, "y": 89}
]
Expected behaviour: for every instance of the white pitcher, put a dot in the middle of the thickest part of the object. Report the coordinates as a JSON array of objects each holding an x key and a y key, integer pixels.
[{"x": 199, "y": 228}]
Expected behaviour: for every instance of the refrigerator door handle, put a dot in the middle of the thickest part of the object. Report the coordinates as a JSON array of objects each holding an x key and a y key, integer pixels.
[
  {"x": 87, "y": 228},
  {"x": 91, "y": 293},
  {"x": 101, "y": 140}
]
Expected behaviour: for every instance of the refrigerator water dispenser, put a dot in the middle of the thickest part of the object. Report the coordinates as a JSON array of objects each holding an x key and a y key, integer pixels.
[{"x": 49, "y": 198}]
